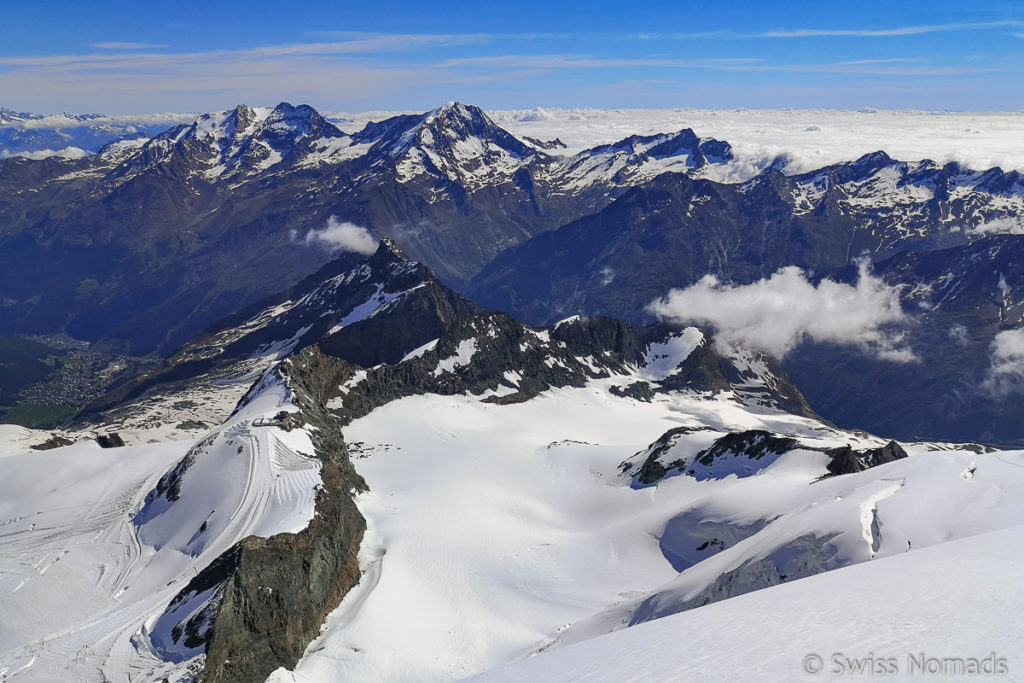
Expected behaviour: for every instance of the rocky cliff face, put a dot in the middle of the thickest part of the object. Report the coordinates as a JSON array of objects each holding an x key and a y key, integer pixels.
[
  {"x": 284, "y": 586},
  {"x": 266, "y": 598}
]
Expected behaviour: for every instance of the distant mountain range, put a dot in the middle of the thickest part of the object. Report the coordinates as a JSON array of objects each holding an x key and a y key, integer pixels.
[
  {"x": 150, "y": 240},
  {"x": 141, "y": 246},
  {"x": 37, "y": 135}
]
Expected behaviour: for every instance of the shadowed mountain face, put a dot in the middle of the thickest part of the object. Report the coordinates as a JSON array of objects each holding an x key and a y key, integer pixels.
[
  {"x": 960, "y": 287},
  {"x": 675, "y": 229},
  {"x": 960, "y": 302}
]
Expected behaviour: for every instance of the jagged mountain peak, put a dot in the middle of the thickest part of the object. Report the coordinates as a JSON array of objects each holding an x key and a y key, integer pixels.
[
  {"x": 466, "y": 112},
  {"x": 684, "y": 142},
  {"x": 461, "y": 119},
  {"x": 301, "y": 119},
  {"x": 224, "y": 127},
  {"x": 454, "y": 143},
  {"x": 388, "y": 251},
  {"x": 246, "y": 140},
  {"x": 347, "y": 290},
  {"x": 456, "y": 122},
  {"x": 869, "y": 164}
]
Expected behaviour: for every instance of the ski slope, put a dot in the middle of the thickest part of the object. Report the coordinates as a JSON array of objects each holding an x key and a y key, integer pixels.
[{"x": 90, "y": 555}]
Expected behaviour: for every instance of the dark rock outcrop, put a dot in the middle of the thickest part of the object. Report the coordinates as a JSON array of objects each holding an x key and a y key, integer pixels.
[
  {"x": 654, "y": 468},
  {"x": 845, "y": 460},
  {"x": 753, "y": 444},
  {"x": 111, "y": 440},
  {"x": 55, "y": 441}
]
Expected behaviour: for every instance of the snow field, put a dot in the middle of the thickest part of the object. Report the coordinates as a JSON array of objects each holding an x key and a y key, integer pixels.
[
  {"x": 495, "y": 532},
  {"x": 952, "y": 600}
]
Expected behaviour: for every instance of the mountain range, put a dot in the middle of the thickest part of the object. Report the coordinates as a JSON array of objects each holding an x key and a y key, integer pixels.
[
  {"x": 151, "y": 240},
  {"x": 39, "y": 136},
  {"x": 215, "y": 215}
]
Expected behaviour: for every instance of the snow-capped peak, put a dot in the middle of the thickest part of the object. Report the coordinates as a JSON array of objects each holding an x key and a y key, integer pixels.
[
  {"x": 454, "y": 143},
  {"x": 248, "y": 140},
  {"x": 227, "y": 127}
]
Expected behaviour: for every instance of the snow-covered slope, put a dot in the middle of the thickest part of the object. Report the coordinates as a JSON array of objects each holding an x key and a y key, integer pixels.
[
  {"x": 918, "y": 615},
  {"x": 95, "y": 543},
  {"x": 891, "y": 196},
  {"x": 637, "y": 159},
  {"x": 508, "y": 526}
]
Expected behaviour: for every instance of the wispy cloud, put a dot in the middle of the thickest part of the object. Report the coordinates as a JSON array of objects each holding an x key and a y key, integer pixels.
[
  {"x": 352, "y": 69},
  {"x": 903, "y": 66},
  {"x": 368, "y": 44},
  {"x": 868, "y": 68},
  {"x": 568, "y": 61},
  {"x": 128, "y": 46},
  {"x": 887, "y": 32},
  {"x": 453, "y": 38}
]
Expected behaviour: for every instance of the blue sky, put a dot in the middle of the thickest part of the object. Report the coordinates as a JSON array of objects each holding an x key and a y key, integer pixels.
[{"x": 140, "y": 57}]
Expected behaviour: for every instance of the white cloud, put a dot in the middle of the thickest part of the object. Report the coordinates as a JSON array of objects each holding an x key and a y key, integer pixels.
[
  {"x": 1006, "y": 375},
  {"x": 342, "y": 236},
  {"x": 958, "y": 333},
  {"x": 774, "y": 315},
  {"x": 67, "y": 153},
  {"x": 1010, "y": 225},
  {"x": 127, "y": 46}
]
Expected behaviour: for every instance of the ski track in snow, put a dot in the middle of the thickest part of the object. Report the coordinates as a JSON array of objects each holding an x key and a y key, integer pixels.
[{"x": 104, "y": 637}]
